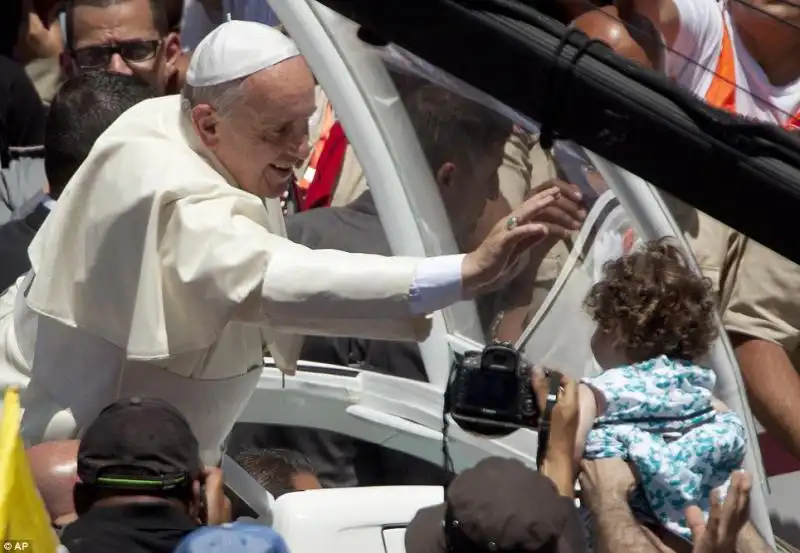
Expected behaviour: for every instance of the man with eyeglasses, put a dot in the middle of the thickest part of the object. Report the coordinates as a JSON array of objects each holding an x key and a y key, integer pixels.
[{"x": 131, "y": 37}]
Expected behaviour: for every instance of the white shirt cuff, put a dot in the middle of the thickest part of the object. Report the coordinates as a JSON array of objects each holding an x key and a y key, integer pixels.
[{"x": 436, "y": 284}]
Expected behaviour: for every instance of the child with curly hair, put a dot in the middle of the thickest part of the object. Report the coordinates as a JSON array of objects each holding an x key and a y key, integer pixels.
[{"x": 653, "y": 403}]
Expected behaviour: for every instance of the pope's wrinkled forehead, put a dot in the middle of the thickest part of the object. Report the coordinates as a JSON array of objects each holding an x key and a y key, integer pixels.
[{"x": 284, "y": 91}]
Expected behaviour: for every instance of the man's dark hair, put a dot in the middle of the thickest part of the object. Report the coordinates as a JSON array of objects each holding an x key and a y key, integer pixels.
[
  {"x": 174, "y": 12},
  {"x": 274, "y": 469},
  {"x": 83, "y": 109},
  {"x": 158, "y": 9},
  {"x": 451, "y": 128}
]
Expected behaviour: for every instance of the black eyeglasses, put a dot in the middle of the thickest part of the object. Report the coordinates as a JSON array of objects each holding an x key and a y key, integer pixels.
[{"x": 132, "y": 51}]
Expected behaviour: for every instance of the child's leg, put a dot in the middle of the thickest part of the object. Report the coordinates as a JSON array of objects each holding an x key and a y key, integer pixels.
[
  {"x": 667, "y": 483},
  {"x": 713, "y": 451},
  {"x": 685, "y": 471}
]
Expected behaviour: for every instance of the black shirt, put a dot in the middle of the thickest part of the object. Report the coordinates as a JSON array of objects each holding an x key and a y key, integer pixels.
[
  {"x": 10, "y": 18},
  {"x": 129, "y": 528},
  {"x": 22, "y": 113}
]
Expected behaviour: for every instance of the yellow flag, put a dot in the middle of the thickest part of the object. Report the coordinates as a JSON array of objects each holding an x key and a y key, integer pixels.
[{"x": 24, "y": 522}]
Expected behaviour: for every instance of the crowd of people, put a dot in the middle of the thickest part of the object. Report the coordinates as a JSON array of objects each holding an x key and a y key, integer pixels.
[{"x": 150, "y": 149}]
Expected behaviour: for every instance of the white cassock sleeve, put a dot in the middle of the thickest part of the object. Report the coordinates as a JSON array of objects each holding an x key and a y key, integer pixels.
[
  {"x": 152, "y": 250},
  {"x": 217, "y": 248}
]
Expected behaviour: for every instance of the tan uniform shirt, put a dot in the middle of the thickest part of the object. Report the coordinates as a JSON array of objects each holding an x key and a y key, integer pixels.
[{"x": 759, "y": 290}]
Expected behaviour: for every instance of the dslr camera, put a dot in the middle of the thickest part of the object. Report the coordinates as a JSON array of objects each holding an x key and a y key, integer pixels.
[{"x": 490, "y": 391}]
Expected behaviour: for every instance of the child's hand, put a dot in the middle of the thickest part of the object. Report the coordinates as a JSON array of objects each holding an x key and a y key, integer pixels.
[{"x": 725, "y": 520}]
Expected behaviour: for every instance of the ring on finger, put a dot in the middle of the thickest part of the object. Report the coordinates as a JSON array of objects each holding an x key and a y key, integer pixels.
[{"x": 512, "y": 222}]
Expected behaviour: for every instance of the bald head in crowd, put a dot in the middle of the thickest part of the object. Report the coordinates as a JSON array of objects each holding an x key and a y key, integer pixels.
[{"x": 54, "y": 466}]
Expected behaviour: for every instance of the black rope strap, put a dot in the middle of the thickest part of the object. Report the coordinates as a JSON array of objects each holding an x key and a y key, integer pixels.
[
  {"x": 558, "y": 79},
  {"x": 447, "y": 459}
]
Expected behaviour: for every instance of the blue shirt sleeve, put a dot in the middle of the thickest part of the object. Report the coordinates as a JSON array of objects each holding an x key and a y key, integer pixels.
[{"x": 436, "y": 284}]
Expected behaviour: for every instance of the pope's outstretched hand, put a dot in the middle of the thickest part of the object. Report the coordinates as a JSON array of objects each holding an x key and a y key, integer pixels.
[{"x": 509, "y": 239}]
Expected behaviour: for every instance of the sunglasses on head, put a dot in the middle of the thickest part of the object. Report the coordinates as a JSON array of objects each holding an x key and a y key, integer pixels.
[{"x": 99, "y": 56}]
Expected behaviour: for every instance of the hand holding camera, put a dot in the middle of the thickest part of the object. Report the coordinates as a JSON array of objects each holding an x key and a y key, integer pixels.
[
  {"x": 495, "y": 392},
  {"x": 490, "y": 392},
  {"x": 498, "y": 389},
  {"x": 557, "y": 396},
  {"x": 565, "y": 412}
]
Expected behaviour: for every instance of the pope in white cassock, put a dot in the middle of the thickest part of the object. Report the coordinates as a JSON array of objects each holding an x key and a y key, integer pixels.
[{"x": 163, "y": 271}]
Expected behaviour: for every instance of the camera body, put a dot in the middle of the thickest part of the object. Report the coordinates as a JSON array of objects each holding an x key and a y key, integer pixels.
[{"x": 492, "y": 389}]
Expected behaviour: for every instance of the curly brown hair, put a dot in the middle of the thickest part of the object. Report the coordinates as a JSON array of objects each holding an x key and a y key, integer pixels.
[{"x": 651, "y": 303}]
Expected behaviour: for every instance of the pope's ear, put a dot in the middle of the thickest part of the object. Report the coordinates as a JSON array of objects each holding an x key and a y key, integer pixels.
[{"x": 204, "y": 121}]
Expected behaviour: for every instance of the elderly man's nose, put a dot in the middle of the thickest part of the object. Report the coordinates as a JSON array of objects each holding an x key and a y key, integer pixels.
[{"x": 117, "y": 65}]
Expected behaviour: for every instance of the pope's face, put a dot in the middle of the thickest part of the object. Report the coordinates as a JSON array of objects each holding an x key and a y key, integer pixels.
[{"x": 265, "y": 135}]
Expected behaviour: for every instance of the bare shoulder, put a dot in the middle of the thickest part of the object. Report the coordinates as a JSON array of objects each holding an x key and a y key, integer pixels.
[{"x": 606, "y": 24}]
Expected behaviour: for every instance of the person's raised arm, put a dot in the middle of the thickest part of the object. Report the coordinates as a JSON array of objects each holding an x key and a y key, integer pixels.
[
  {"x": 772, "y": 384},
  {"x": 763, "y": 320},
  {"x": 750, "y": 541},
  {"x": 605, "y": 487},
  {"x": 246, "y": 273},
  {"x": 724, "y": 531},
  {"x": 362, "y": 289}
]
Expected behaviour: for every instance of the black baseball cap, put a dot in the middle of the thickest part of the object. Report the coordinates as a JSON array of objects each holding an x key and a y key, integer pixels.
[
  {"x": 139, "y": 444},
  {"x": 499, "y": 506}
]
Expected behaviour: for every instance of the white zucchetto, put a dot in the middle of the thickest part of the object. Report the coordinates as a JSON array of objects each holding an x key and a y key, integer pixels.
[{"x": 237, "y": 49}]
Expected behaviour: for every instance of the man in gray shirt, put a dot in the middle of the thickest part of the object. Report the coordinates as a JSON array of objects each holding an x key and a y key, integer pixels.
[
  {"x": 20, "y": 182},
  {"x": 84, "y": 107}
]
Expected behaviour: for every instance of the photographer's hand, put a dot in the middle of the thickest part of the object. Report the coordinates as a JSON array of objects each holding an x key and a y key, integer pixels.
[
  {"x": 565, "y": 415},
  {"x": 557, "y": 463},
  {"x": 218, "y": 506}
]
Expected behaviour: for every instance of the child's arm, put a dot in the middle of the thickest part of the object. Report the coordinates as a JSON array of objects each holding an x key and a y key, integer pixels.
[{"x": 592, "y": 403}]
